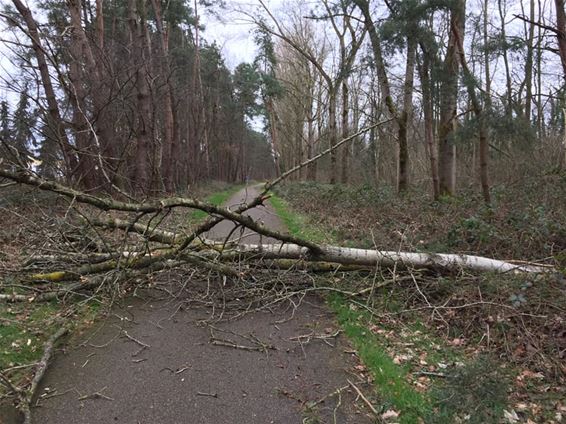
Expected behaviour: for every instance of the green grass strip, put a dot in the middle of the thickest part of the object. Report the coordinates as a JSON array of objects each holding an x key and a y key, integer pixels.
[
  {"x": 297, "y": 224},
  {"x": 390, "y": 379},
  {"x": 217, "y": 199}
]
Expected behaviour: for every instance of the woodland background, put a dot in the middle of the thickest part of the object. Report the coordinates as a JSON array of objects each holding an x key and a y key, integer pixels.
[{"x": 130, "y": 96}]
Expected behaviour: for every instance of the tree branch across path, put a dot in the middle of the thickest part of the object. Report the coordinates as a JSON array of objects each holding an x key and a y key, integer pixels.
[{"x": 178, "y": 249}]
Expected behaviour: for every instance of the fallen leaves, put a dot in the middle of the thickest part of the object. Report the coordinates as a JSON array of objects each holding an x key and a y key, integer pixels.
[{"x": 389, "y": 415}]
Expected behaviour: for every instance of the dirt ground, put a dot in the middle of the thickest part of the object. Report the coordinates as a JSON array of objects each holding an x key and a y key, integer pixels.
[{"x": 153, "y": 361}]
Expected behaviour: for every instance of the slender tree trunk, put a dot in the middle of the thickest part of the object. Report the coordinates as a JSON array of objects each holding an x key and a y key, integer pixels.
[
  {"x": 487, "y": 71},
  {"x": 561, "y": 33},
  {"x": 273, "y": 132},
  {"x": 448, "y": 103},
  {"x": 403, "y": 178},
  {"x": 479, "y": 114},
  {"x": 540, "y": 109},
  {"x": 54, "y": 124},
  {"x": 311, "y": 170},
  {"x": 143, "y": 115},
  {"x": 508, "y": 81},
  {"x": 345, "y": 132},
  {"x": 529, "y": 64},
  {"x": 87, "y": 151},
  {"x": 332, "y": 131},
  {"x": 169, "y": 155},
  {"x": 428, "y": 112}
]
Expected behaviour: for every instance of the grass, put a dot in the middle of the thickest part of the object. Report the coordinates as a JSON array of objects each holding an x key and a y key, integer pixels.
[
  {"x": 25, "y": 328},
  {"x": 23, "y": 331},
  {"x": 217, "y": 199},
  {"x": 297, "y": 224},
  {"x": 390, "y": 379}
]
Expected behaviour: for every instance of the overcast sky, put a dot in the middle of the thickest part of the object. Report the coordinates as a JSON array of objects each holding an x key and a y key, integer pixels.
[{"x": 233, "y": 32}]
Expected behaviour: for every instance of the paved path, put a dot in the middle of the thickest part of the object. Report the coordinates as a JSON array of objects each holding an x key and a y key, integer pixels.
[
  {"x": 264, "y": 214},
  {"x": 182, "y": 378}
]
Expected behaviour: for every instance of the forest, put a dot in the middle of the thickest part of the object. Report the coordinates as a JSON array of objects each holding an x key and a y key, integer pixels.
[{"x": 376, "y": 184}]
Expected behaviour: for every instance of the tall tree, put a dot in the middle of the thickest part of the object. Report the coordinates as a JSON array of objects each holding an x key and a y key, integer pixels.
[{"x": 448, "y": 101}]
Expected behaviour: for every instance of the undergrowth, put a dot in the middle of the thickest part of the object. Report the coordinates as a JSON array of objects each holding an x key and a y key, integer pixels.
[
  {"x": 508, "y": 332},
  {"x": 526, "y": 220}
]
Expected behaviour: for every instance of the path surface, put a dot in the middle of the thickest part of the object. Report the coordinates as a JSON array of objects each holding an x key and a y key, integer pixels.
[
  {"x": 182, "y": 378},
  {"x": 264, "y": 214}
]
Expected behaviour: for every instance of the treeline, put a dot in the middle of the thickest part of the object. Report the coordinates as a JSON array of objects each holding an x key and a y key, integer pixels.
[
  {"x": 126, "y": 95},
  {"x": 474, "y": 89}
]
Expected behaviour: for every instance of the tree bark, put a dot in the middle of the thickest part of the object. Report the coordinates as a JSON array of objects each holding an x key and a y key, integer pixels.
[
  {"x": 404, "y": 117},
  {"x": 55, "y": 125},
  {"x": 143, "y": 115},
  {"x": 332, "y": 131},
  {"x": 480, "y": 116},
  {"x": 561, "y": 33},
  {"x": 345, "y": 132},
  {"x": 428, "y": 112},
  {"x": 170, "y": 148},
  {"x": 448, "y": 103},
  {"x": 529, "y": 64}
]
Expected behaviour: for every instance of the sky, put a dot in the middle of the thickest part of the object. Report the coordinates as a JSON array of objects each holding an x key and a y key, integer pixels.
[{"x": 233, "y": 31}]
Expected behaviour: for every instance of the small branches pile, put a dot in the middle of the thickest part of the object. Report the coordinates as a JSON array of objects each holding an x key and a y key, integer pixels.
[{"x": 113, "y": 239}]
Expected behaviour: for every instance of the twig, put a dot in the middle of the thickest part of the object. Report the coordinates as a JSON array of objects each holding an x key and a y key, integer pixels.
[
  {"x": 96, "y": 395},
  {"x": 430, "y": 374},
  {"x": 219, "y": 342},
  {"x": 140, "y": 343},
  {"x": 26, "y": 396},
  {"x": 366, "y": 401},
  {"x": 214, "y": 395},
  {"x": 329, "y": 395}
]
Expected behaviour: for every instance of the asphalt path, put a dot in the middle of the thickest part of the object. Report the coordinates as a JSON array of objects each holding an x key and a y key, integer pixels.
[{"x": 107, "y": 375}]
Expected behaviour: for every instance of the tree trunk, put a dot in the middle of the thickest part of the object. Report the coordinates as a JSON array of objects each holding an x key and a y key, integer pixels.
[
  {"x": 143, "y": 115},
  {"x": 561, "y": 33},
  {"x": 508, "y": 81},
  {"x": 55, "y": 126},
  {"x": 448, "y": 103},
  {"x": 480, "y": 116},
  {"x": 403, "y": 121},
  {"x": 428, "y": 112},
  {"x": 345, "y": 132},
  {"x": 332, "y": 130},
  {"x": 170, "y": 148},
  {"x": 87, "y": 174},
  {"x": 529, "y": 64}
]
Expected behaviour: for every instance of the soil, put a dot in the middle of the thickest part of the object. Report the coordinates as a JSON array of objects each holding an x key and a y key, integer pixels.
[{"x": 107, "y": 376}]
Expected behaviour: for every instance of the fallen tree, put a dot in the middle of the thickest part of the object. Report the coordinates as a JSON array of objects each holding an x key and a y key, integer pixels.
[{"x": 157, "y": 248}]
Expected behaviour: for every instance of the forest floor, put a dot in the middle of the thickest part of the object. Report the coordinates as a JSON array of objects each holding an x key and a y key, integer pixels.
[
  {"x": 477, "y": 347},
  {"x": 167, "y": 355},
  {"x": 420, "y": 346}
]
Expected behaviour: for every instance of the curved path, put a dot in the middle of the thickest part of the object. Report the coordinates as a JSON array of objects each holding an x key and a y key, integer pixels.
[{"x": 182, "y": 378}]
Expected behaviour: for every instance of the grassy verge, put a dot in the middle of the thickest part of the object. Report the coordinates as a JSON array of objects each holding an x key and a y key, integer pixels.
[
  {"x": 218, "y": 198},
  {"x": 24, "y": 329},
  {"x": 297, "y": 224},
  {"x": 390, "y": 379}
]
